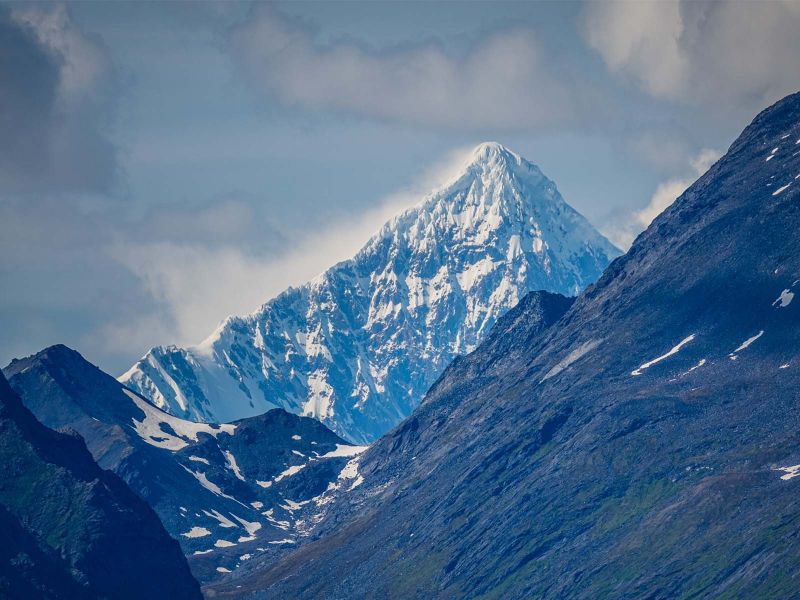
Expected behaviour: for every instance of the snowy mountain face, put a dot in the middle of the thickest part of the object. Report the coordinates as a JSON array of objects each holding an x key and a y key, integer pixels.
[
  {"x": 358, "y": 346},
  {"x": 228, "y": 493}
]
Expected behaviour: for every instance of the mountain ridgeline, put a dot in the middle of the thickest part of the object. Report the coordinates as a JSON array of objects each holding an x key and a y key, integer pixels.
[
  {"x": 358, "y": 346},
  {"x": 646, "y": 445},
  {"x": 226, "y": 492},
  {"x": 72, "y": 530}
]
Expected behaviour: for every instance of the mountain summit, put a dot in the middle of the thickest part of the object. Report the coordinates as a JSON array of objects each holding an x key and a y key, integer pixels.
[{"x": 358, "y": 346}]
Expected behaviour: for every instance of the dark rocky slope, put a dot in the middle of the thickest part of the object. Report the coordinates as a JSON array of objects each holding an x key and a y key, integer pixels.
[
  {"x": 224, "y": 491},
  {"x": 72, "y": 530},
  {"x": 644, "y": 447},
  {"x": 512, "y": 335}
]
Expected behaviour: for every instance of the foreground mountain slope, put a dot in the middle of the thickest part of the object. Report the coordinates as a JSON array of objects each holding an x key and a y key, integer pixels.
[
  {"x": 644, "y": 447},
  {"x": 358, "y": 346},
  {"x": 528, "y": 320},
  {"x": 223, "y": 491},
  {"x": 72, "y": 530}
]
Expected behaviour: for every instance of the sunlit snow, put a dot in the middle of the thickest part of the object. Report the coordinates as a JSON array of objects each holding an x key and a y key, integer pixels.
[
  {"x": 232, "y": 465},
  {"x": 790, "y": 472},
  {"x": 781, "y": 189},
  {"x": 344, "y": 451},
  {"x": 150, "y": 429}
]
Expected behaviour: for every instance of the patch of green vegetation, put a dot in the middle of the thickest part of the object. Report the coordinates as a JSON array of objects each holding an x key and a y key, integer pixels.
[
  {"x": 637, "y": 500},
  {"x": 415, "y": 577},
  {"x": 531, "y": 571}
]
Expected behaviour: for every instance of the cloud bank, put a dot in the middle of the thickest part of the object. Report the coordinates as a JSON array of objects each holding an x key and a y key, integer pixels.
[
  {"x": 741, "y": 54},
  {"x": 502, "y": 82}
]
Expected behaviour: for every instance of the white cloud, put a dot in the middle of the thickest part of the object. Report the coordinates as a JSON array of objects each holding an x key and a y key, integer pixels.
[
  {"x": 504, "y": 81},
  {"x": 641, "y": 39},
  {"x": 721, "y": 52},
  {"x": 624, "y": 231},
  {"x": 198, "y": 284}
]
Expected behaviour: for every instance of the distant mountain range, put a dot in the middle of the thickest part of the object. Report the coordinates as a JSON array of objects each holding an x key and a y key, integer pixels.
[
  {"x": 358, "y": 346},
  {"x": 70, "y": 529},
  {"x": 646, "y": 444},
  {"x": 226, "y": 492}
]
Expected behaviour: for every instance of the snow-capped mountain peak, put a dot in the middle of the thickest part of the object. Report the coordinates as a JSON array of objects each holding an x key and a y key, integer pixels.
[{"x": 359, "y": 345}]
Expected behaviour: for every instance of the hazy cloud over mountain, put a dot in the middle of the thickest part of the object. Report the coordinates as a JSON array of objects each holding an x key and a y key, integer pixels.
[{"x": 165, "y": 164}]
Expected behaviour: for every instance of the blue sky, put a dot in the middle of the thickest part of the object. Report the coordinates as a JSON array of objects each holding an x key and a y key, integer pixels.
[{"x": 167, "y": 164}]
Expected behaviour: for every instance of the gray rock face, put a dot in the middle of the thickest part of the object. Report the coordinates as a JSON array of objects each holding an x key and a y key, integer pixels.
[
  {"x": 243, "y": 489},
  {"x": 644, "y": 446},
  {"x": 71, "y": 529},
  {"x": 358, "y": 347}
]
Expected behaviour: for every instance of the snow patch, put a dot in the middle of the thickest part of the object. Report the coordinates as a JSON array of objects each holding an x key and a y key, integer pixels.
[
  {"x": 785, "y": 299},
  {"x": 223, "y": 521},
  {"x": 196, "y": 532},
  {"x": 149, "y": 429},
  {"x": 291, "y": 505},
  {"x": 344, "y": 451},
  {"x": 700, "y": 363},
  {"x": 209, "y": 485},
  {"x": 250, "y": 527},
  {"x": 293, "y": 470},
  {"x": 674, "y": 350},
  {"x": 224, "y": 544},
  {"x": 790, "y": 472},
  {"x": 745, "y": 344},
  {"x": 231, "y": 460},
  {"x": 573, "y": 356},
  {"x": 781, "y": 189}
]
